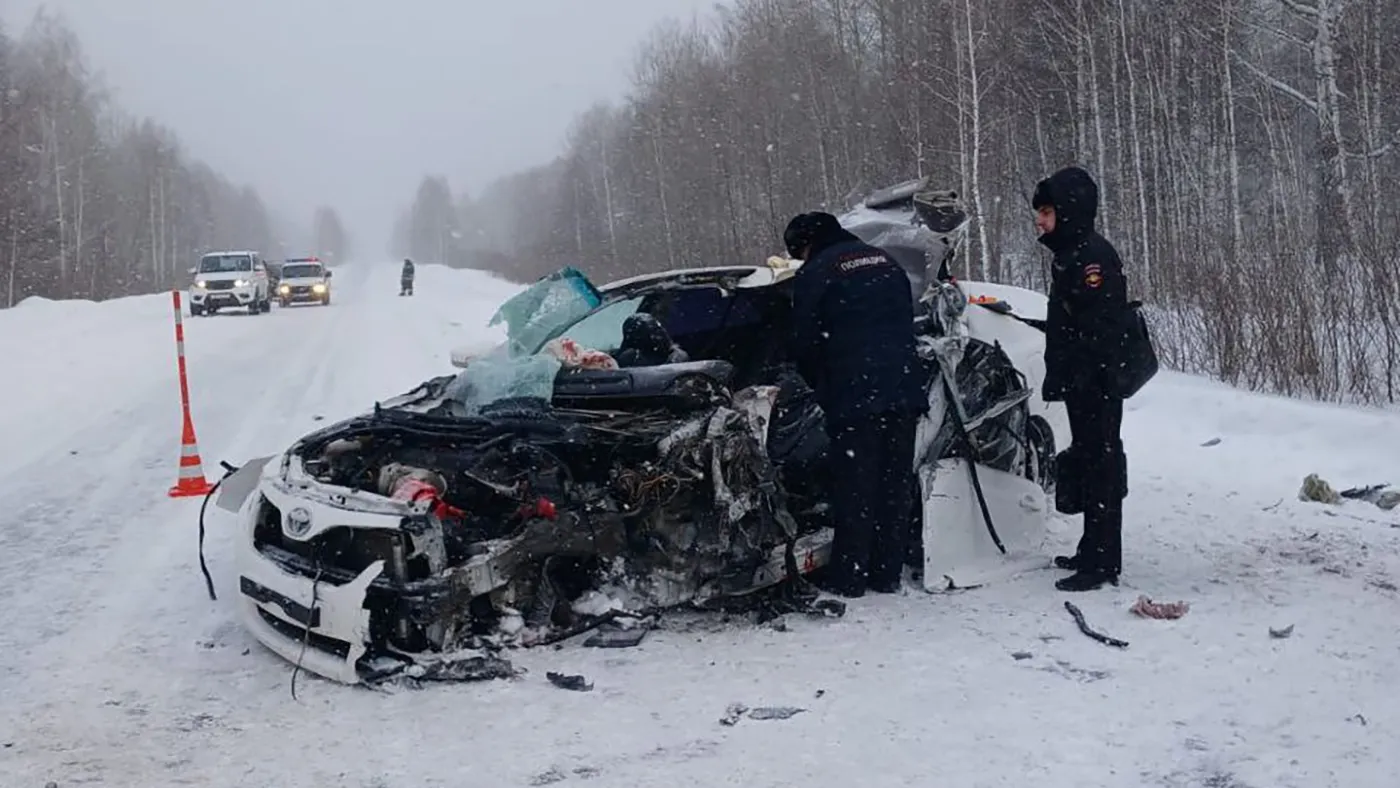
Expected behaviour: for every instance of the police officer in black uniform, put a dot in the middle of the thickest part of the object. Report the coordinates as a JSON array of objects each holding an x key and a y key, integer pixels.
[
  {"x": 1084, "y": 355},
  {"x": 853, "y": 340}
]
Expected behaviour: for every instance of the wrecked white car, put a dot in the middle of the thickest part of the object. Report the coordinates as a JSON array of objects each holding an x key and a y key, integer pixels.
[{"x": 582, "y": 474}]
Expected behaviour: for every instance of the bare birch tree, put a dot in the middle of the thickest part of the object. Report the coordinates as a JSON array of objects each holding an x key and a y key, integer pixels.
[
  {"x": 1244, "y": 151},
  {"x": 94, "y": 204}
]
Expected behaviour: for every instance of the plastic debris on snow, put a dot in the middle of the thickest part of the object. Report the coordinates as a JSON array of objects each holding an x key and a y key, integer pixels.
[
  {"x": 1146, "y": 608},
  {"x": 738, "y": 711},
  {"x": 574, "y": 683},
  {"x": 1316, "y": 489},
  {"x": 1379, "y": 494},
  {"x": 462, "y": 667}
]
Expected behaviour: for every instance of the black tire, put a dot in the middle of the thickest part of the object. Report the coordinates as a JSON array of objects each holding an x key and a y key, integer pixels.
[{"x": 196, "y": 311}]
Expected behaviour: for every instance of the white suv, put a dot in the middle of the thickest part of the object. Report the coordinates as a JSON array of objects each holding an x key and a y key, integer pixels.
[{"x": 230, "y": 279}]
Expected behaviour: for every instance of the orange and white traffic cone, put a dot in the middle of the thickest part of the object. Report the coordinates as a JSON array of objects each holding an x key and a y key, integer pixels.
[{"x": 191, "y": 481}]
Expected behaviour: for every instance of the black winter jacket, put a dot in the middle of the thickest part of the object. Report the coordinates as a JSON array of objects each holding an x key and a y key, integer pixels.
[
  {"x": 1088, "y": 304},
  {"x": 853, "y": 329}
]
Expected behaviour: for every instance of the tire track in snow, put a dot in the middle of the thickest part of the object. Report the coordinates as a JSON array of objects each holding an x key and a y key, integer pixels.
[
  {"x": 159, "y": 618},
  {"x": 127, "y": 596},
  {"x": 154, "y": 680},
  {"x": 68, "y": 510}
]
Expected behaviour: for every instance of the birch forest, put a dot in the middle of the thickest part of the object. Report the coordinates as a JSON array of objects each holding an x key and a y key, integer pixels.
[
  {"x": 1242, "y": 148},
  {"x": 94, "y": 204}
]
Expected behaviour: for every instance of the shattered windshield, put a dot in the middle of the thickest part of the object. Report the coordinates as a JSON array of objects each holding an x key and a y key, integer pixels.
[
  {"x": 546, "y": 308},
  {"x": 225, "y": 263},
  {"x": 601, "y": 330},
  {"x": 497, "y": 377},
  {"x": 532, "y": 318}
]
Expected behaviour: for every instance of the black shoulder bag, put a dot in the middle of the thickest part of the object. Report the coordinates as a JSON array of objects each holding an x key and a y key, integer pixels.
[{"x": 1138, "y": 363}]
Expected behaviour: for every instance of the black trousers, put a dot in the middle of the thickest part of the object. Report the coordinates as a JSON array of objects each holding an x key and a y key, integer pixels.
[
  {"x": 872, "y": 478},
  {"x": 1101, "y": 471}
]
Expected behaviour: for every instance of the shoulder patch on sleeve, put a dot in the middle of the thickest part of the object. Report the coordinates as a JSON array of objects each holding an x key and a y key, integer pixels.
[{"x": 1093, "y": 275}]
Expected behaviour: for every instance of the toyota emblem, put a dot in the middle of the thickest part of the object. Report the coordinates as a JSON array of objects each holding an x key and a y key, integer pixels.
[{"x": 298, "y": 522}]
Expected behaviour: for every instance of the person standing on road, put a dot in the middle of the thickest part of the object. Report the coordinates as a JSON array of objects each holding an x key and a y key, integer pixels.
[
  {"x": 406, "y": 278},
  {"x": 1084, "y": 353},
  {"x": 853, "y": 340}
]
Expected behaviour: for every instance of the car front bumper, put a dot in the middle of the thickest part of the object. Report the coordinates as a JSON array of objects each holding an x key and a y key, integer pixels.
[
  {"x": 218, "y": 299},
  {"x": 301, "y": 294},
  {"x": 322, "y": 624}
]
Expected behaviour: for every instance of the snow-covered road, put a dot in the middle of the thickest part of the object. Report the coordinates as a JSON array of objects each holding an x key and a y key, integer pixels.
[{"x": 117, "y": 669}]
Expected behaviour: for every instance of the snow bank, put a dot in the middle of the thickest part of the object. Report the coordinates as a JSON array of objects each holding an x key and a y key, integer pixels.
[
  {"x": 68, "y": 363},
  {"x": 1267, "y": 443}
]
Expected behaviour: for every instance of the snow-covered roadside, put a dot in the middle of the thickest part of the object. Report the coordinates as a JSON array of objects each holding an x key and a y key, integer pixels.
[
  {"x": 69, "y": 365},
  {"x": 122, "y": 673}
]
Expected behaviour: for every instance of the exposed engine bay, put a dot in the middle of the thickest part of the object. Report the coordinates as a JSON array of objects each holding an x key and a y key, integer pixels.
[{"x": 520, "y": 513}]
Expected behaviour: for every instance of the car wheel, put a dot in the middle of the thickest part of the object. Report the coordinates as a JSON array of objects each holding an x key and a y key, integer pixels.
[
  {"x": 1040, "y": 460},
  {"x": 195, "y": 311}
]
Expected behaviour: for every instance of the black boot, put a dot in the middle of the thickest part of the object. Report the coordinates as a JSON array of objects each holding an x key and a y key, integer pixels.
[
  {"x": 886, "y": 585},
  {"x": 849, "y": 589},
  {"x": 843, "y": 584},
  {"x": 1086, "y": 580}
]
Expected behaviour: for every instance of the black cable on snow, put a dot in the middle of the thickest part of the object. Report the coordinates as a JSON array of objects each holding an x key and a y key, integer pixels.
[{"x": 229, "y": 470}]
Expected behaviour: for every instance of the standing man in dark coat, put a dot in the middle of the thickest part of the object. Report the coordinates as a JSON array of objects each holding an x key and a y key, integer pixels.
[
  {"x": 853, "y": 340},
  {"x": 406, "y": 278},
  {"x": 1084, "y": 351}
]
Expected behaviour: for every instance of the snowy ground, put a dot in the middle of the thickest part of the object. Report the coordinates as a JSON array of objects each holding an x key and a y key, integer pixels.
[{"x": 119, "y": 671}]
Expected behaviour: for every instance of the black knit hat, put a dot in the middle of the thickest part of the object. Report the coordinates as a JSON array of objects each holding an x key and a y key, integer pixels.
[{"x": 806, "y": 228}]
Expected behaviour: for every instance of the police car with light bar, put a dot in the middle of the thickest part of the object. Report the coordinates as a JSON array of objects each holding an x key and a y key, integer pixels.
[{"x": 304, "y": 280}]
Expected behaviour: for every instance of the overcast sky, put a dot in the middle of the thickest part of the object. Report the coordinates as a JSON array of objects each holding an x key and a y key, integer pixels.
[{"x": 350, "y": 102}]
